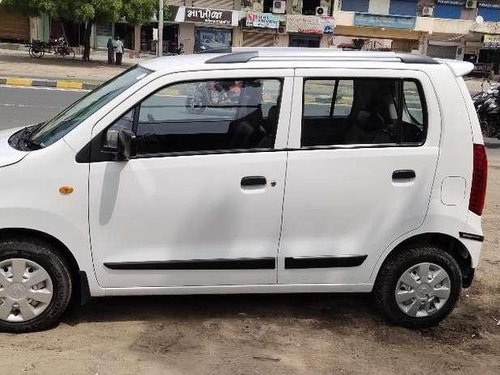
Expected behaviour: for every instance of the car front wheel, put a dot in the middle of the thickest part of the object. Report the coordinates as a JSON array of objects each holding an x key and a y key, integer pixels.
[
  {"x": 418, "y": 287},
  {"x": 35, "y": 285}
]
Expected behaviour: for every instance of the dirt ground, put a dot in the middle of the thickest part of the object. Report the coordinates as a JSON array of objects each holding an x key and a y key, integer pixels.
[{"x": 282, "y": 334}]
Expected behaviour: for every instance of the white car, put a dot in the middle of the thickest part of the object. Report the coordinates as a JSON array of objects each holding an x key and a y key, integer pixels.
[{"x": 293, "y": 171}]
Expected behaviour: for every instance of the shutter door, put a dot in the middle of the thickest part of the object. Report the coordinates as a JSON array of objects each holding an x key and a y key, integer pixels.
[
  {"x": 213, "y": 4},
  {"x": 443, "y": 52},
  {"x": 14, "y": 27},
  {"x": 258, "y": 40}
]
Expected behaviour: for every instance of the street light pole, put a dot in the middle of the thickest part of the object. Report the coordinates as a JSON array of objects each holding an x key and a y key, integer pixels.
[{"x": 159, "y": 50}]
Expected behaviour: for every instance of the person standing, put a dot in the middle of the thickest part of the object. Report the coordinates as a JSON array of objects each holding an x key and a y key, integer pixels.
[
  {"x": 119, "y": 51},
  {"x": 111, "y": 51}
]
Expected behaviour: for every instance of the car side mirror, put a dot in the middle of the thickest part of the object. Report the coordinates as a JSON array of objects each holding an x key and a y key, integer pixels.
[{"x": 127, "y": 145}]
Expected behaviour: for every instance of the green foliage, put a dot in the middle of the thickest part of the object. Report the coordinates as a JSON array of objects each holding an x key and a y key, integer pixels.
[
  {"x": 139, "y": 11},
  {"x": 133, "y": 11}
]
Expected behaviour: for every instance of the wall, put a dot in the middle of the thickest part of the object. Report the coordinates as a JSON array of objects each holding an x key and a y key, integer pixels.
[{"x": 186, "y": 36}]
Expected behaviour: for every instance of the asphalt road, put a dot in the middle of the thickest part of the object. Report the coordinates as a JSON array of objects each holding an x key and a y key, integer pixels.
[{"x": 24, "y": 106}]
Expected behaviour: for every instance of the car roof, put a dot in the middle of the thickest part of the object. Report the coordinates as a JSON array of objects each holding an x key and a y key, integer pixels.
[{"x": 293, "y": 57}]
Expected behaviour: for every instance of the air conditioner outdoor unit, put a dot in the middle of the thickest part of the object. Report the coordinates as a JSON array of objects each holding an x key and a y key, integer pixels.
[
  {"x": 427, "y": 11},
  {"x": 279, "y": 6},
  {"x": 322, "y": 11},
  {"x": 471, "y": 4}
]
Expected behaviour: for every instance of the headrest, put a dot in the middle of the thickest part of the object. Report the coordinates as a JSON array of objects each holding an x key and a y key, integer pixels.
[{"x": 369, "y": 121}]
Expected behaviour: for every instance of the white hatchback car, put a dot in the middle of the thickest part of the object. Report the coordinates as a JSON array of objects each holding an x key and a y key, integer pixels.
[{"x": 264, "y": 171}]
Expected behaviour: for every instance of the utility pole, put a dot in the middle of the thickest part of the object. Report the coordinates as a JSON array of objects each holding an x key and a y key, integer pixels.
[{"x": 159, "y": 50}]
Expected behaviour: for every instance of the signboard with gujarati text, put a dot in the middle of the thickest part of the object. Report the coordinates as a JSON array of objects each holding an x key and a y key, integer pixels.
[{"x": 309, "y": 24}]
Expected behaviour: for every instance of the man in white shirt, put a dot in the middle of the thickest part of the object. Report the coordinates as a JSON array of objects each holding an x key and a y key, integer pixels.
[{"x": 119, "y": 51}]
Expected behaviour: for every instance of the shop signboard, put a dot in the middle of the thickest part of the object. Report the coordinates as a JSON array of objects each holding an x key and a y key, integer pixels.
[
  {"x": 309, "y": 24},
  {"x": 209, "y": 16},
  {"x": 460, "y": 3},
  {"x": 491, "y": 41},
  {"x": 262, "y": 20},
  {"x": 489, "y": 4},
  {"x": 382, "y": 20}
]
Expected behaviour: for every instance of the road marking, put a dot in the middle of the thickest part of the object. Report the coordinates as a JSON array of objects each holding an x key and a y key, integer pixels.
[
  {"x": 40, "y": 88},
  {"x": 28, "y": 106},
  {"x": 18, "y": 82}
]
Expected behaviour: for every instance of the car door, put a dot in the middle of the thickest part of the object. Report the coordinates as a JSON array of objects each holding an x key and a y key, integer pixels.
[
  {"x": 201, "y": 202},
  {"x": 364, "y": 150}
]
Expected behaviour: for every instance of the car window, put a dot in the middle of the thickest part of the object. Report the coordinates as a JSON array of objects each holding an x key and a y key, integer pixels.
[
  {"x": 361, "y": 111},
  {"x": 413, "y": 113},
  {"x": 324, "y": 97},
  {"x": 206, "y": 116},
  {"x": 67, "y": 120}
]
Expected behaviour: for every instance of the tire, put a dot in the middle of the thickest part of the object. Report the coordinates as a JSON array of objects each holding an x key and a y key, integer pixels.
[
  {"x": 37, "y": 256},
  {"x": 35, "y": 52},
  {"x": 391, "y": 281}
]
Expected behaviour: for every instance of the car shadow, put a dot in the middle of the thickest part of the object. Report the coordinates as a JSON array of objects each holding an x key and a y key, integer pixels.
[{"x": 325, "y": 307}]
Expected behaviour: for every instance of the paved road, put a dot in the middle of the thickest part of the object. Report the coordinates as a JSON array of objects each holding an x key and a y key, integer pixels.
[{"x": 24, "y": 106}]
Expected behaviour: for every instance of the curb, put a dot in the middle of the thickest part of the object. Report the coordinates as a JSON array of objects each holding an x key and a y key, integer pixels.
[{"x": 60, "y": 84}]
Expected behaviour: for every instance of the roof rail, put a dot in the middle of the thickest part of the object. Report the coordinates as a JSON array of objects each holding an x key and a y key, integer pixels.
[
  {"x": 409, "y": 58},
  {"x": 246, "y": 56},
  {"x": 234, "y": 58}
]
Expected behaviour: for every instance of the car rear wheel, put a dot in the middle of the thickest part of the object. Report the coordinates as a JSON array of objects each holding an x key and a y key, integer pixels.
[
  {"x": 418, "y": 287},
  {"x": 35, "y": 285}
]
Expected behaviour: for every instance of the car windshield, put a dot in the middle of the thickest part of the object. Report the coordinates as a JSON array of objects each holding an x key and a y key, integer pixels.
[{"x": 53, "y": 130}]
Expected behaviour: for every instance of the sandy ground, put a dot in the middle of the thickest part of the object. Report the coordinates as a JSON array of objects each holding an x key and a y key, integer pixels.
[{"x": 310, "y": 334}]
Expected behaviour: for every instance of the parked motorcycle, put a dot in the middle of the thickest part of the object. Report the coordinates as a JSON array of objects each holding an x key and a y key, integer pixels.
[
  {"x": 211, "y": 94},
  {"x": 487, "y": 104}
]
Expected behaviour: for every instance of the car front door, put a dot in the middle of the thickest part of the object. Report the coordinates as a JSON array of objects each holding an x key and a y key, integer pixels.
[
  {"x": 201, "y": 202},
  {"x": 364, "y": 149}
]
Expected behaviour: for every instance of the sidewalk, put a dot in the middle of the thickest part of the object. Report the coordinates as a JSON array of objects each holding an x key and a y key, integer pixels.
[{"x": 15, "y": 64}]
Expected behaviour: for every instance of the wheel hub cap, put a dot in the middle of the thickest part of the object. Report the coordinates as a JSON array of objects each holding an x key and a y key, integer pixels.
[
  {"x": 25, "y": 290},
  {"x": 423, "y": 290},
  {"x": 17, "y": 291}
]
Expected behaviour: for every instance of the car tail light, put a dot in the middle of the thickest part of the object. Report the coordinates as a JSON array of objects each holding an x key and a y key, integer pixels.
[{"x": 479, "y": 177}]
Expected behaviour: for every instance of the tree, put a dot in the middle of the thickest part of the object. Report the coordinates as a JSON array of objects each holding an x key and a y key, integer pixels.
[{"x": 88, "y": 12}]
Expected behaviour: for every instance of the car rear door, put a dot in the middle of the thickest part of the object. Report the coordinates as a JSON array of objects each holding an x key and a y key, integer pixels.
[{"x": 363, "y": 154}]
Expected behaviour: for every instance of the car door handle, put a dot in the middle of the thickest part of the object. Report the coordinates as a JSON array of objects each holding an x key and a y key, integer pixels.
[
  {"x": 403, "y": 174},
  {"x": 253, "y": 181}
]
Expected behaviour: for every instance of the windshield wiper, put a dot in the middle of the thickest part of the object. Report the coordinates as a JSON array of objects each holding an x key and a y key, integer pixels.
[{"x": 24, "y": 141}]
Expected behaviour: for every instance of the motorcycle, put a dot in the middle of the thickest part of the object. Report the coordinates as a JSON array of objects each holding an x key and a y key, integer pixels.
[
  {"x": 487, "y": 104},
  {"x": 212, "y": 94}
]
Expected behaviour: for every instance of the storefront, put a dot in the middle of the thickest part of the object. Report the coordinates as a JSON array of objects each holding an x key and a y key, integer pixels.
[
  {"x": 260, "y": 29},
  {"x": 206, "y": 29},
  {"x": 309, "y": 31},
  {"x": 490, "y": 53},
  {"x": 381, "y": 32}
]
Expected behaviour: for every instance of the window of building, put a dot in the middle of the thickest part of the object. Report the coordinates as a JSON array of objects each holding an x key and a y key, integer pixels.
[
  {"x": 489, "y": 14},
  {"x": 403, "y": 7},
  {"x": 204, "y": 116},
  {"x": 268, "y": 6},
  {"x": 212, "y": 39},
  {"x": 445, "y": 10},
  {"x": 309, "y": 7},
  {"x": 355, "y": 5},
  {"x": 362, "y": 111}
]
